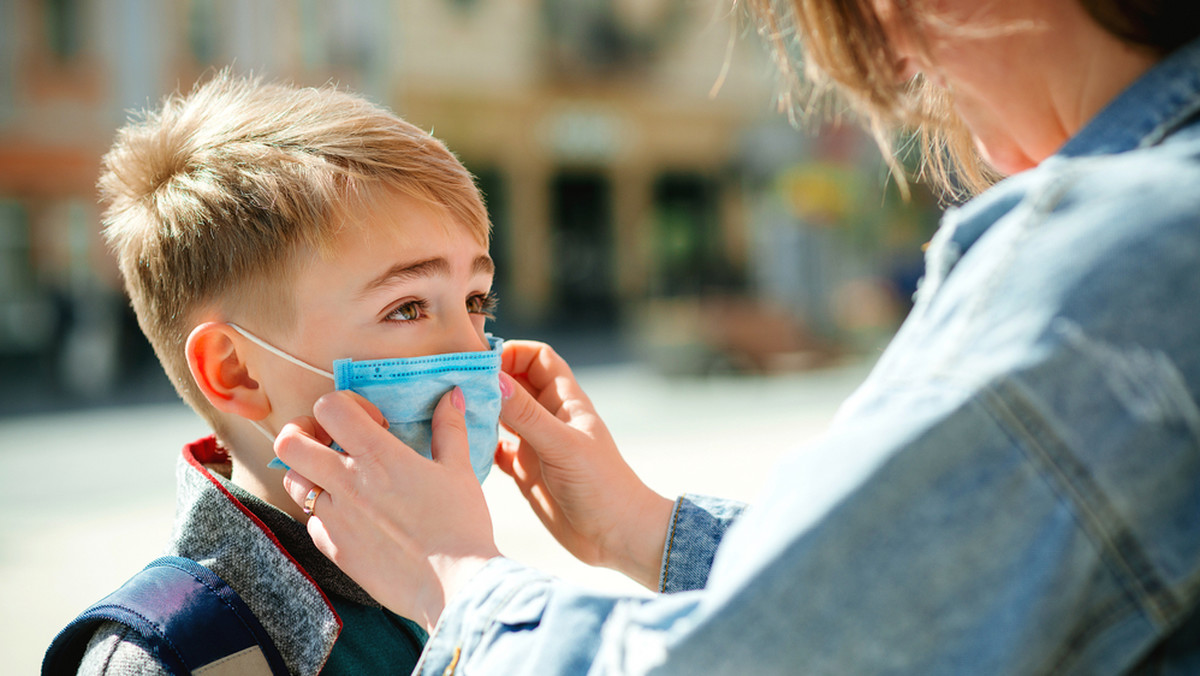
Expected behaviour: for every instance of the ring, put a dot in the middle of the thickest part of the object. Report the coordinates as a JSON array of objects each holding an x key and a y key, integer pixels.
[{"x": 311, "y": 499}]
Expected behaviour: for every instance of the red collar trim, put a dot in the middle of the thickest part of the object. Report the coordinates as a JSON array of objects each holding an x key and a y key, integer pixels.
[
  {"x": 205, "y": 451},
  {"x": 208, "y": 451}
]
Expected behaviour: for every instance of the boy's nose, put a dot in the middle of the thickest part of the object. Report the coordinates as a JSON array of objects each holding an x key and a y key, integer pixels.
[{"x": 464, "y": 337}]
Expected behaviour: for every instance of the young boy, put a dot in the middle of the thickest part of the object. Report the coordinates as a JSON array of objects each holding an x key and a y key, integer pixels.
[{"x": 252, "y": 220}]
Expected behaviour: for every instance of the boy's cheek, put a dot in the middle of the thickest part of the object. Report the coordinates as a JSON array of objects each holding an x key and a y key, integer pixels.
[{"x": 295, "y": 397}]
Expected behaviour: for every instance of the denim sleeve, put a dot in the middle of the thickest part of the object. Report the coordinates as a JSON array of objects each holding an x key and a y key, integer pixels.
[
  {"x": 697, "y": 526},
  {"x": 941, "y": 531}
]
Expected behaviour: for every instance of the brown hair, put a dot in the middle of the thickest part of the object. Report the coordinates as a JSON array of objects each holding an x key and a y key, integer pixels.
[
  {"x": 843, "y": 47},
  {"x": 210, "y": 199}
]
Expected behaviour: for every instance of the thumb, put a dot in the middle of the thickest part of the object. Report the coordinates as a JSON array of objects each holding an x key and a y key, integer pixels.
[
  {"x": 450, "y": 443},
  {"x": 528, "y": 419}
]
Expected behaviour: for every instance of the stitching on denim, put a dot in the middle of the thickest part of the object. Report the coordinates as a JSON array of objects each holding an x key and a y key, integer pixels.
[
  {"x": 666, "y": 572},
  {"x": 449, "y": 670},
  {"x": 1107, "y": 617},
  {"x": 997, "y": 406},
  {"x": 465, "y": 631},
  {"x": 1015, "y": 414},
  {"x": 477, "y": 632},
  {"x": 1029, "y": 213}
]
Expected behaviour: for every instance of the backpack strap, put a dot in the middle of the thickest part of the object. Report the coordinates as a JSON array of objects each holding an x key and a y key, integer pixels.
[{"x": 194, "y": 622}]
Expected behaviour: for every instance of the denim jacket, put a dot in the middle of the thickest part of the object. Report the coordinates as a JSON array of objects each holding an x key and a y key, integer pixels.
[{"x": 1015, "y": 489}]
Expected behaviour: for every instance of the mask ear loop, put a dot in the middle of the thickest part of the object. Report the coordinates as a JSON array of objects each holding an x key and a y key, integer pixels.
[
  {"x": 279, "y": 353},
  {"x": 262, "y": 428}
]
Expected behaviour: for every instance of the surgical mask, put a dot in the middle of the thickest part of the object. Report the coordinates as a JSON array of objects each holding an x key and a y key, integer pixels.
[{"x": 407, "y": 390}]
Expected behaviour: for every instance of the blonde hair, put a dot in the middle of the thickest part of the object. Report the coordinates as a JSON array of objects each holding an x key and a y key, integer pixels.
[
  {"x": 211, "y": 199},
  {"x": 843, "y": 48}
]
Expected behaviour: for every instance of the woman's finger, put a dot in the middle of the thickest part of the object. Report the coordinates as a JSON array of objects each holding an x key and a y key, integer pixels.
[
  {"x": 528, "y": 419},
  {"x": 319, "y": 533},
  {"x": 353, "y": 422},
  {"x": 542, "y": 372},
  {"x": 310, "y": 457},
  {"x": 308, "y": 425},
  {"x": 503, "y": 458},
  {"x": 297, "y": 486},
  {"x": 369, "y": 406},
  {"x": 522, "y": 464},
  {"x": 450, "y": 446}
]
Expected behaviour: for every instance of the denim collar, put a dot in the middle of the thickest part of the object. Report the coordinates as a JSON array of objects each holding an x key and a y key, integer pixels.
[{"x": 1158, "y": 103}]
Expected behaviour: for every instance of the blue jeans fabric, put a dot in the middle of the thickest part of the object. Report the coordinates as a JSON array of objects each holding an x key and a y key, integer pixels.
[
  {"x": 1015, "y": 489},
  {"x": 698, "y": 524}
]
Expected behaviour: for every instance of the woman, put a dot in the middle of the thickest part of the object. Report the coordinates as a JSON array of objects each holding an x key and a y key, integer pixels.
[{"x": 1029, "y": 444}]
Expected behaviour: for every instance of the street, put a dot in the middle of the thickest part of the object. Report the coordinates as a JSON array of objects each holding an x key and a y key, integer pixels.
[{"x": 88, "y": 496}]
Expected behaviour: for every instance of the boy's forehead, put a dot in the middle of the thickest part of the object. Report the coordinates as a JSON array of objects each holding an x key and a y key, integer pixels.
[
  {"x": 374, "y": 235},
  {"x": 391, "y": 212}
]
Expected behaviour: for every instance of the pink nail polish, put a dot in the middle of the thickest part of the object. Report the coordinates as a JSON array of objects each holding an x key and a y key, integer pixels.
[{"x": 506, "y": 386}]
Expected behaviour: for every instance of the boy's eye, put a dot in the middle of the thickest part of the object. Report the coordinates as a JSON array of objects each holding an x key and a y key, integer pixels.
[
  {"x": 483, "y": 304},
  {"x": 407, "y": 312}
]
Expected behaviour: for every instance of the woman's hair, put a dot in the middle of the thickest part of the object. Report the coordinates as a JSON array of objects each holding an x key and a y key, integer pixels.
[
  {"x": 840, "y": 45},
  {"x": 211, "y": 200}
]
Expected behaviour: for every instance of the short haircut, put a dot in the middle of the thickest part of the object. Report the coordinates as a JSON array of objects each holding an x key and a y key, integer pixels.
[
  {"x": 210, "y": 199},
  {"x": 840, "y": 44}
]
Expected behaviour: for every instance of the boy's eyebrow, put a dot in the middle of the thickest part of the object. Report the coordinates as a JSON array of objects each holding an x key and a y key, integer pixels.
[
  {"x": 430, "y": 267},
  {"x": 483, "y": 266}
]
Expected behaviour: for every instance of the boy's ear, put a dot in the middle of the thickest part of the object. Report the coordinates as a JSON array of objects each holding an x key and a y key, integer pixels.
[{"x": 221, "y": 373}]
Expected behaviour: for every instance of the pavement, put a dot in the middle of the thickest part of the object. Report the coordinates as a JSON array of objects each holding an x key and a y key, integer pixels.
[{"x": 89, "y": 494}]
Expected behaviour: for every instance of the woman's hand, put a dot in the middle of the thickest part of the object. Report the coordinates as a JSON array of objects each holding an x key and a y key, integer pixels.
[
  {"x": 570, "y": 471},
  {"x": 411, "y": 531}
]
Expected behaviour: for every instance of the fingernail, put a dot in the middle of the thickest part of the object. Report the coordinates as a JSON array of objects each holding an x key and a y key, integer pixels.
[
  {"x": 506, "y": 386},
  {"x": 456, "y": 399}
]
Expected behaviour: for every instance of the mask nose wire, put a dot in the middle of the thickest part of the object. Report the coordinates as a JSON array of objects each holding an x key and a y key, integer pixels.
[{"x": 280, "y": 353}]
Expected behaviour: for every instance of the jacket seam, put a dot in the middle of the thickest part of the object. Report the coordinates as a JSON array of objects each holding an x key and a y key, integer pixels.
[
  {"x": 1123, "y": 553},
  {"x": 1029, "y": 212},
  {"x": 666, "y": 571},
  {"x": 475, "y": 632}
]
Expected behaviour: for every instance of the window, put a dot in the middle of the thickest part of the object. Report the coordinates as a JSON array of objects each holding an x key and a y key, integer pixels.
[
  {"x": 64, "y": 27},
  {"x": 26, "y": 314},
  {"x": 688, "y": 246}
]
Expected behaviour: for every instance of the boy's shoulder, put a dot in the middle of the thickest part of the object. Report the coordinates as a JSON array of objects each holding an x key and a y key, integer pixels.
[{"x": 174, "y": 616}]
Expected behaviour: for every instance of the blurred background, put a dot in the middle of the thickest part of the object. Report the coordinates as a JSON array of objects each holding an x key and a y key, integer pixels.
[
  {"x": 640, "y": 210},
  {"x": 656, "y": 219}
]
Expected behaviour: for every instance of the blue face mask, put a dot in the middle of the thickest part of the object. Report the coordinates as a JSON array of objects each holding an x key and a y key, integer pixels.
[{"x": 407, "y": 390}]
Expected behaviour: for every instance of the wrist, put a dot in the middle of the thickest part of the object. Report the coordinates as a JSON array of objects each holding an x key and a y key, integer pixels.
[
  {"x": 453, "y": 573},
  {"x": 637, "y": 550}
]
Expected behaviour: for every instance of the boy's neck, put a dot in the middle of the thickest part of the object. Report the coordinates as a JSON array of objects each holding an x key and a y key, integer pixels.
[{"x": 249, "y": 453}]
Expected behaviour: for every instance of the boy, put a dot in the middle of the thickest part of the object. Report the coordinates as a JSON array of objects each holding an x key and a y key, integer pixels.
[{"x": 311, "y": 223}]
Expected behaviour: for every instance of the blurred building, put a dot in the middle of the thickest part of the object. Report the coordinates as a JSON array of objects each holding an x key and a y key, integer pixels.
[{"x": 628, "y": 191}]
